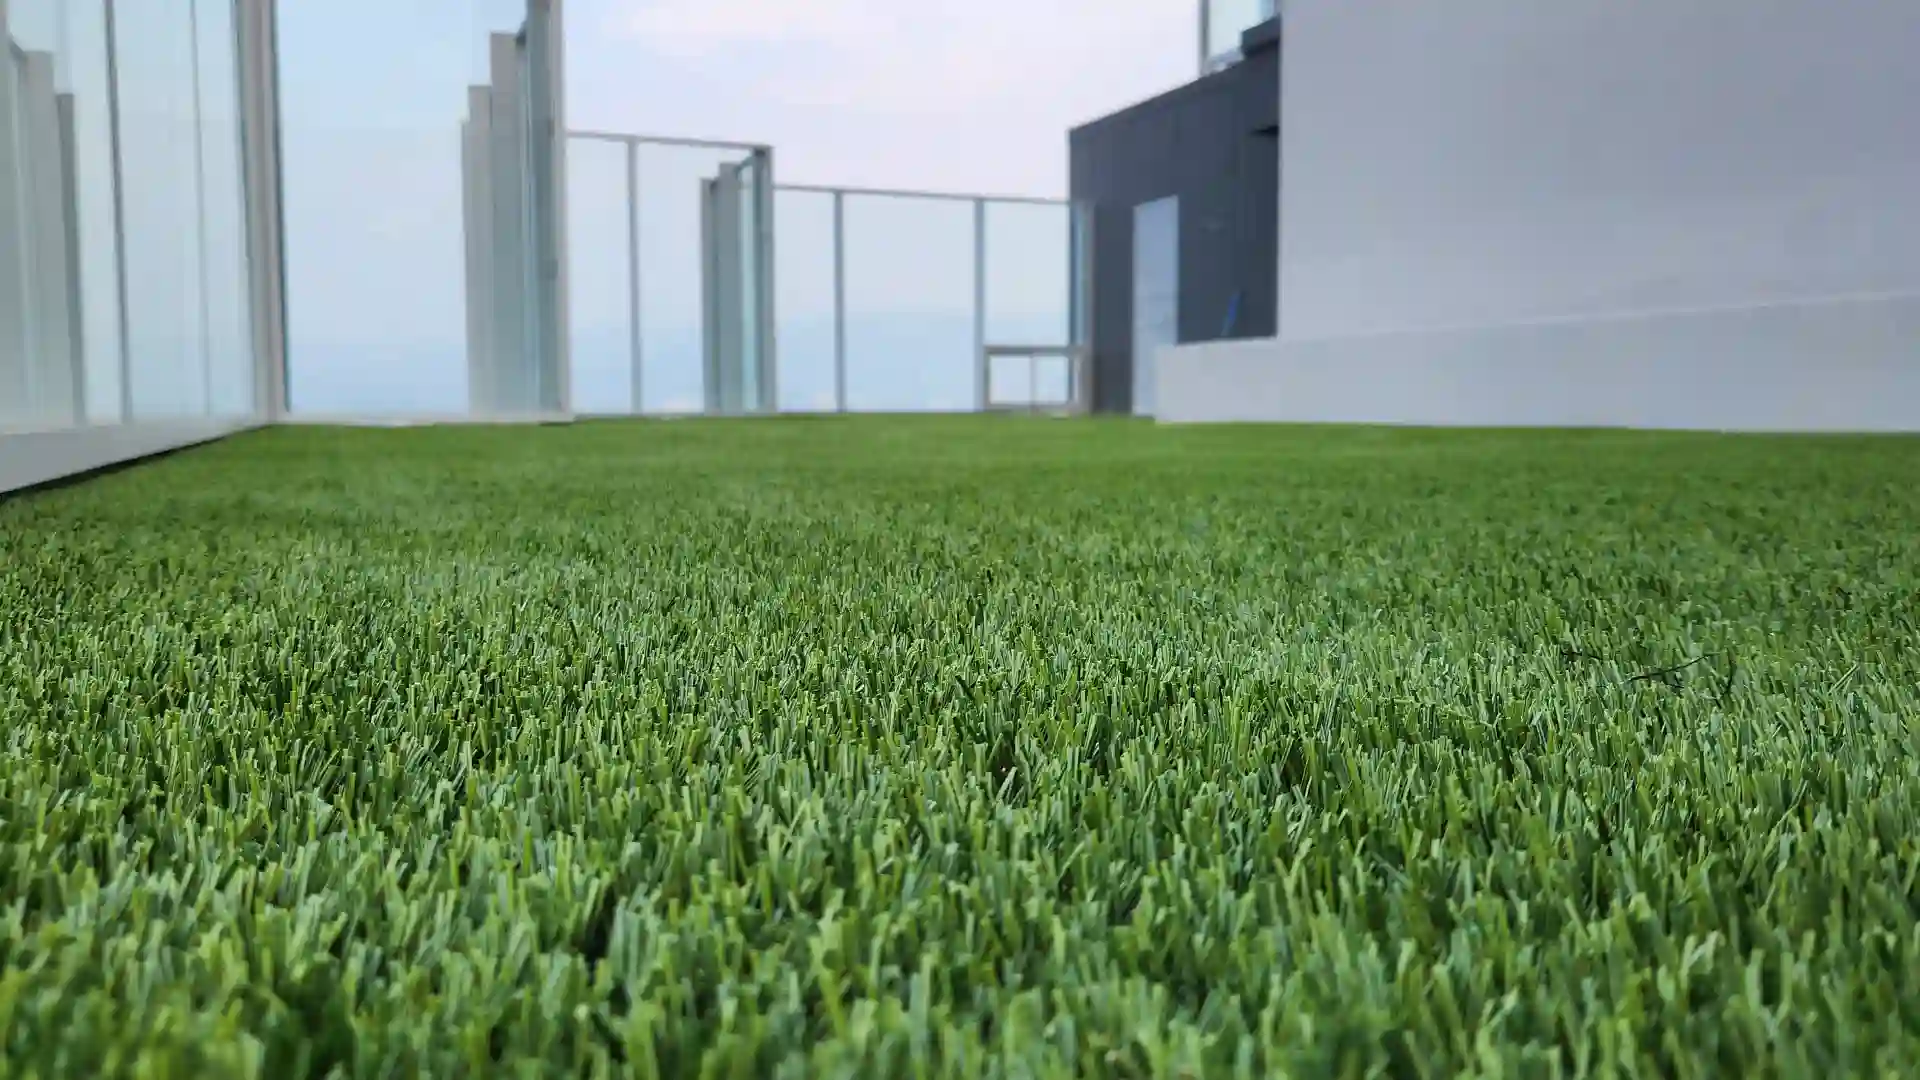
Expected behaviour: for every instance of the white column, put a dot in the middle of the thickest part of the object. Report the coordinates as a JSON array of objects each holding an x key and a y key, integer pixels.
[
  {"x": 70, "y": 198},
  {"x": 1206, "y": 17},
  {"x": 200, "y": 241},
  {"x": 15, "y": 400},
  {"x": 839, "y": 301},
  {"x": 710, "y": 315},
  {"x": 469, "y": 298},
  {"x": 721, "y": 293},
  {"x": 1080, "y": 332},
  {"x": 713, "y": 239},
  {"x": 980, "y": 372},
  {"x": 545, "y": 58},
  {"x": 485, "y": 394},
  {"x": 727, "y": 222},
  {"x": 51, "y": 360},
  {"x": 477, "y": 188},
  {"x": 258, "y": 42},
  {"x": 635, "y": 342},
  {"x": 562, "y": 287},
  {"x": 122, "y": 327},
  {"x": 507, "y": 139},
  {"x": 765, "y": 290}
]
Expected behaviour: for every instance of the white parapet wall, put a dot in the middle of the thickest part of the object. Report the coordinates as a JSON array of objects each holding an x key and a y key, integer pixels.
[
  {"x": 1833, "y": 366},
  {"x": 1593, "y": 212},
  {"x": 32, "y": 458}
]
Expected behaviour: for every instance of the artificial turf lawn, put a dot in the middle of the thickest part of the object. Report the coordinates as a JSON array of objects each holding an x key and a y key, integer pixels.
[{"x": 972, "y": 746}]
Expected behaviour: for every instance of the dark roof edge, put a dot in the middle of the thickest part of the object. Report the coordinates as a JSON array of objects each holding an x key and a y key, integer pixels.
[
  {"x": 1208, "y": 83},
  {"x": 1260, "y": 36}
]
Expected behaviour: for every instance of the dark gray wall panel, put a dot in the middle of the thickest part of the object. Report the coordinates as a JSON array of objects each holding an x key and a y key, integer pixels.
[{"x": 1214, "y": 144}]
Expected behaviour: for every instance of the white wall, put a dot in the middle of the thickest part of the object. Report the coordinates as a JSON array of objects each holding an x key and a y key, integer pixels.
[
  {"x": 1840, "y": 366},
  {"x": 1506, "y": 211}
]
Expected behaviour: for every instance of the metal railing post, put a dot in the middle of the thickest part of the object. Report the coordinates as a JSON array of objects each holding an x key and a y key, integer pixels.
[
  {"x": 635, "y": 344},
  {"x": 980, "y": 373},
  {"x": 839, "y": 301}
]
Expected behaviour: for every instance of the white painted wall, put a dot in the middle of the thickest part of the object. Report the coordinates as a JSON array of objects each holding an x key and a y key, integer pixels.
[
  {"x": 28, "y": 459},
  {"x": 1505, "y": 211},
  {"x": 1839, "y": 366}
]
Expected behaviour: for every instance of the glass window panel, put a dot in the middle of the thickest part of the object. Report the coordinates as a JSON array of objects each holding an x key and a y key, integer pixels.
[
  {"x": 16, "y": 301},
  {"x": 1228, "y": 19},
  {"x": 672, "y": 333},
  {"x": 1030, "y": 379},
  {"x": 803, "y": 301},
  {"x": 38, "y": 311},
  {"x": 1010, "y": 379},
  {"x": 161, "y": 199},
  {"x": 229, "y": 330},
  {"x": 599, "y": 276},
  {"x": 84, "y": 75},
  {"x": 483, "y": 19},
  {"x": 178, "y": 235},
  {"x": 372, "y": 96},
  {"x": 910, "y": 277},
  {"x": 747, "y": 244},
  {"x": 1052, "y": 380},
  {"x": 543, "y": 223},
  {"x": 1028, "y": 273}
]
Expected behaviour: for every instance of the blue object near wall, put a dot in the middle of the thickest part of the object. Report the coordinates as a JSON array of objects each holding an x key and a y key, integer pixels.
[{"x": 1233, "y": 314}]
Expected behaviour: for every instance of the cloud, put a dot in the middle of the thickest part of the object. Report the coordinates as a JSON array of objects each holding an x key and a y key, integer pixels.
[
  {"x": 925, "y": 55},
  {"x": 702, "y": 27},
  {"x": 950, "y": 95}
]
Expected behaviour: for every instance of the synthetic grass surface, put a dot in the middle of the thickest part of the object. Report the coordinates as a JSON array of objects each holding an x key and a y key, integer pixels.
[{"x": 964, "y": 747}]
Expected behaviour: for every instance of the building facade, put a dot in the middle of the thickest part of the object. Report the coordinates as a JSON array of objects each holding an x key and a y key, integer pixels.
[
  {"x": 1182, "y": 189},
  {"x": 1593, "y": 212}
]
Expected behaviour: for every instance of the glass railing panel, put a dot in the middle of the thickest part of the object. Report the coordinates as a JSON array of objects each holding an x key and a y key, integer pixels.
[
  {"x": 599, "y": 278},
  {"x": 910, "y": 303},
  {"x": 1028, "y": 278},
  {"x": 804, "y": 299}
]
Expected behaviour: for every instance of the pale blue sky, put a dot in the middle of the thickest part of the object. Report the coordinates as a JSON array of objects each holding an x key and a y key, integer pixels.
[{"x": 971, "y": 95}]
